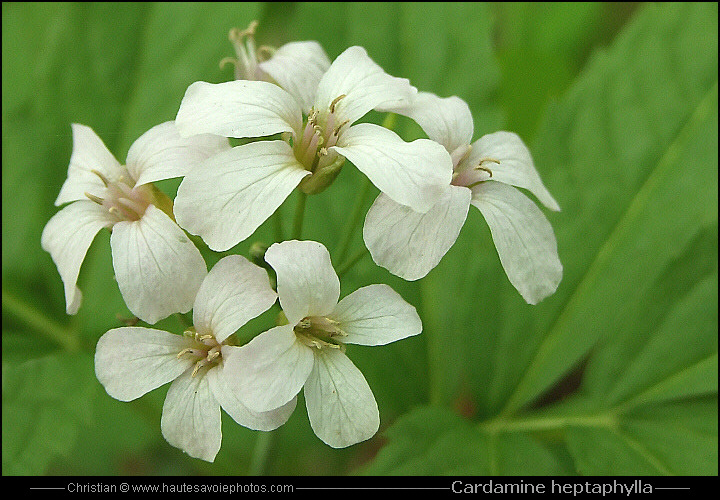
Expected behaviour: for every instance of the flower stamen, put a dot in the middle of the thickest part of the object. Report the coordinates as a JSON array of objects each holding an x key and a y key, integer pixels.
[
  {"x": 481, "y": 165},
  {"x": 320, "y": 332},
  {"x": 207, "y": 350},
  {"x": 94, "y": 198},
  {"x": 336, "y": 130},
  {"x": 247, "y": 56},
  {"x": 102, "y": 177},
  {"x": 335, "y": 101},
  {"x": 185, "y": 351}
]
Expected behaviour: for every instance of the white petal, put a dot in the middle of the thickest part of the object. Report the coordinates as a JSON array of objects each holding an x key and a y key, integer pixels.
[
  {"x": 306, "y": 281},
  {"x": 409, "y": 244},
  {"x": 340, "y": 405},
  {"x": 132, "y": 361},
  {"x": 191, "y": 417},
  {"x": 239, "y": 108},
  {"x": 234, "y": 291},
  {"x": 298, "y": 67},
  {"x": 523, "y": 237},
  {"x": 67, "y": 237},
  {"x": 516, "y": 166},
  {"x": 269, "y": 370},
  {"x": 161, "y": 153},
  {"x": 363, "y": 83},
  {"x": 376, "y": 315},
  {"x": 89, "y": 153},
  {"x": 415, "y": 173},
  {"x": 234, "y": 192},
  {"x": 227, "y": 394},
  {"x": 158, "y": 269},
  {"x": 445, "y": 120}
]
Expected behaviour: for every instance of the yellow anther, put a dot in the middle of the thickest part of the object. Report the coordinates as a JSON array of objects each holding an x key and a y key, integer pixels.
[
  {"x": 336, "y": 131},
  {"x": 102, "y": 177},
  {"x": 236, "y": 35},
  {"x": 94, "y": 198},
  {"x": 184, "y": 351},
  {"x": 335, "y": 101},
  {"x": 481, "y": 165},
  {"x": 484, "y": 169},
  {"x": 250, "y": 30},
  {"x": 228, "y": 60}
]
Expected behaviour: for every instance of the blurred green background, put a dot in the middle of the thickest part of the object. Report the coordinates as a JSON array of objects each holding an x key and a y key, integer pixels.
[{"x": 616, "y": 373}]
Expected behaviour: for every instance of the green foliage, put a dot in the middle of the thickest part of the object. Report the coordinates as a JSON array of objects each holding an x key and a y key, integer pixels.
[
  {"x": 45, "y": 401},
  {"x": 620, "y": 111},
  {"x": 436, "y": 441},
  {"x": 636, "y": 175}
]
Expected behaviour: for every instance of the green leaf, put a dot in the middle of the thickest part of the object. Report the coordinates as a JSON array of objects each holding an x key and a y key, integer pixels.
[
  {"x": 633, "y": 140},
  {"x": 674, "y": 439},
  {"x": 46, "y": 406},
  {"x": 635, "y": 171},
  {"x": 625, "y": 160},
  {"x": 435, "y": 441},
  {"x": 541, "y": 48},
  {"x": 677, "y": 359}
]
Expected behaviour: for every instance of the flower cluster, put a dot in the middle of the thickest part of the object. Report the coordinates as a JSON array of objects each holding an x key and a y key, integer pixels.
[{"x": 298, "y": 114}]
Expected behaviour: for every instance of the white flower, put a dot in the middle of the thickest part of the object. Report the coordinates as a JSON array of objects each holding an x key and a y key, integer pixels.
[
  {"x": 132, "y": 361},
  {"x": 309, "y": 351},
  {"x": 156, "y": 266},
  {"x": 409, "y": 244},
  {"x": 296, "y": 66},
  {"x": 239, "y": 189}
]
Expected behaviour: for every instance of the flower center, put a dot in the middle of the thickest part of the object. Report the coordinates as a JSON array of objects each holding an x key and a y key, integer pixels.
[
  {"x": 321, "y": 132},
  {"x": 474, "y": 175},
  {"x": 122, "y": 199},
  {"x": 206, "y": 350},
  {"x": 320, "y": 332},
  {"x": 312, "y": 148}
]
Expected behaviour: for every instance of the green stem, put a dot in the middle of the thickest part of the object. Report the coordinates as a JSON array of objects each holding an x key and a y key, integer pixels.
[
  {"x": 352, "y": 261},
  {"x": 357, "y": 211},
  {"x": 59, "y": 334},
  {"x": 279, "y": 234},
  {"x": 605, "y": 420},
  {"x": 353, "y": 221},
  {"x": 389, "y": 121},
  {"x": 299, "y": 215},
  {"x": 433, "y": 342},
  {"x": 260, "y": 453}
]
